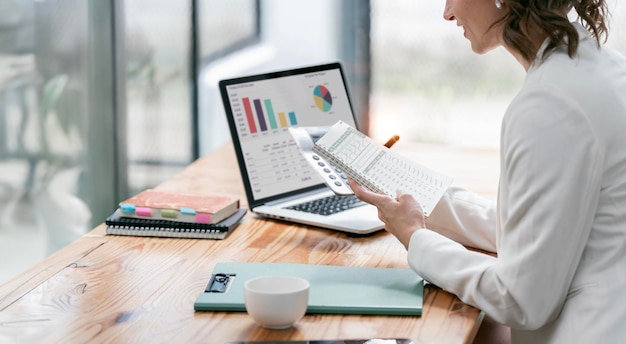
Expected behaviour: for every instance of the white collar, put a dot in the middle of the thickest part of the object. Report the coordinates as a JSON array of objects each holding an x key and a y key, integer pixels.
[{"x": 583, "y": 34}]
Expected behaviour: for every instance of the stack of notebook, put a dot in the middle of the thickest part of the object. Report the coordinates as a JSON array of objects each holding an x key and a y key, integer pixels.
[{"x": 160, "y": 213}]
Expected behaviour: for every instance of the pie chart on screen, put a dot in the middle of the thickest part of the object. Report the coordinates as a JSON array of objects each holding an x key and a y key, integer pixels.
[{"x": 323, "y": 98}]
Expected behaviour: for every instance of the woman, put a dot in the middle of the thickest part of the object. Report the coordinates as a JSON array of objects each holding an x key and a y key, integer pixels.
[{"x": 559, "y": 224}]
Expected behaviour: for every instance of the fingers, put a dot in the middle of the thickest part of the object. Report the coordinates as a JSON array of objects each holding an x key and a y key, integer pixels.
[
  {"x": 403, "y": 197},
  {"x": 366, "y": 195},
  {"x": 400, "y": 195}
]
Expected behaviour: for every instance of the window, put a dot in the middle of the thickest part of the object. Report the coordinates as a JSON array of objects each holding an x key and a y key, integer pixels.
[
  {"x": 430, "y": 88},
  {"x": 87, "y": 118},
  {"x": 117, "y": 98},
  {"x": 56, "y": 132},
  {"x": 165, "y": 42},
  {"x": 429, "y": 85}
]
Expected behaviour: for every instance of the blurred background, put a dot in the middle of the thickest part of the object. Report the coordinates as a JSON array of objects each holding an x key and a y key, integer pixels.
[{"x": 102, "y": 99}]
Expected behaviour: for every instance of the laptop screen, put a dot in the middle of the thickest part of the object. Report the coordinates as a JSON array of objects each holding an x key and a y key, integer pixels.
[{"x": 261, "y": 108}]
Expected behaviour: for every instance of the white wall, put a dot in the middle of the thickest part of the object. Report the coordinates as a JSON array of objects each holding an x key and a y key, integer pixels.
[{"x": 294, "y": 33}]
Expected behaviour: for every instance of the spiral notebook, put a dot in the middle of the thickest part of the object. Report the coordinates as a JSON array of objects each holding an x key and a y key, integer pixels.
[
  {"x": 119, "y": 225},
  {"x": 379, "y": 169}
]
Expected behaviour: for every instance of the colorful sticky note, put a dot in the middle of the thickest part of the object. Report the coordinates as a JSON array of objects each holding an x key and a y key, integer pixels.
[
  {"x": 169, "y": 213},
  {"x": 187, "y": 211},
  {"x": 203, "y": 218},
  {"x": 127, "y": 207},
  {"x": 140, "y": 211}
]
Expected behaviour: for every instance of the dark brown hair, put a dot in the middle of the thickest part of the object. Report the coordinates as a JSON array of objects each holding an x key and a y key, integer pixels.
[{"x": 549, "y": 17}]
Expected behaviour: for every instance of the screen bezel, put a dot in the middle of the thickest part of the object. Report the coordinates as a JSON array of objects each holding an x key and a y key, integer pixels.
[{"x": 223, "y": 84}]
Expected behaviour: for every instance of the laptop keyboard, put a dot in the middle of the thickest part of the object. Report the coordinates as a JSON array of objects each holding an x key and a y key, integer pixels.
[{"x": 328, "y": 205}]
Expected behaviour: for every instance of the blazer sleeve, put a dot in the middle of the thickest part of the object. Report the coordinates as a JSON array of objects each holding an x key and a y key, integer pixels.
[
  {"x": 466, "y": 218},
  {"x": 549, "y": 190}
]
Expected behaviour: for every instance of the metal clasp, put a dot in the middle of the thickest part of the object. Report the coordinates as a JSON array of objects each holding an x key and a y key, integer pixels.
[{"x": 219, "y": 282}]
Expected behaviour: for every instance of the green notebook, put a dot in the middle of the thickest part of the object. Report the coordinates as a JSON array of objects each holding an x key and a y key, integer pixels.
[{"x": 334, "y": 289}]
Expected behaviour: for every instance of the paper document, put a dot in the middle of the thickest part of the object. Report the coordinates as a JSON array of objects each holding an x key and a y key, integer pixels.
[{"x": 378, "y": 168}]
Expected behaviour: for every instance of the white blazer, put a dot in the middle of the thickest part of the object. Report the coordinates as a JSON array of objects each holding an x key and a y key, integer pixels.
[{"x": 559, "y": 225}]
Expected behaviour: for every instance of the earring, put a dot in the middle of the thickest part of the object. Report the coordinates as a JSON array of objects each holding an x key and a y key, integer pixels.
[{"x": 499, "y": 4}]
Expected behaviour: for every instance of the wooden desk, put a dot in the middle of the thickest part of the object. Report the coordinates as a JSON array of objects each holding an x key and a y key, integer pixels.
[{"x": 130, "y": 289}]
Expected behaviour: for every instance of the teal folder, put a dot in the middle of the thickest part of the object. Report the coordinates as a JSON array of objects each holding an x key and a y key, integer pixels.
[{"x": 334, "y": 289}]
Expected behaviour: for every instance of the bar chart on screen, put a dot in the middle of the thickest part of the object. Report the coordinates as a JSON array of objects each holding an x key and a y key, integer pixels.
[
  {"x": 258, "y": 112},
  {"x": 261, "y": 111},
  {"x": 264, "y": 110}
]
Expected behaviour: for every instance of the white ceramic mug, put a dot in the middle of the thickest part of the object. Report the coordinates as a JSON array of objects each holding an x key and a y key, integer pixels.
[{"x": 276, "y": 302}]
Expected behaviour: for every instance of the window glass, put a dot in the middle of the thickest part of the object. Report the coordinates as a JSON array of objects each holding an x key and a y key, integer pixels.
[
  {"x": 158, "y": 100},
  {"x": 58, "y": 136},
  {"x": 430, "y": 88},
  {"x": 44, "y": 120},
  {"x": 428, "y": 85}
]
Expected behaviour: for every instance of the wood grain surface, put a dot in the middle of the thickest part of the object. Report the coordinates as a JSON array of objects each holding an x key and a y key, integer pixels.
[{"x": 117, "y": 289}]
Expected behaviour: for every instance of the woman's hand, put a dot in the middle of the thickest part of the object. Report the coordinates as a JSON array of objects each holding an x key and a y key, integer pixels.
[{"x": 402, "y": 216}]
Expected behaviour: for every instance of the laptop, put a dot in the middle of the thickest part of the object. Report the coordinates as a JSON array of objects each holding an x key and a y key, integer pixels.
[{"x": 279, "y": 182}]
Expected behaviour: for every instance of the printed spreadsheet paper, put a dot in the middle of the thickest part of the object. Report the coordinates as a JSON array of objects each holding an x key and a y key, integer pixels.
[{"x": 379, "y": 169}]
